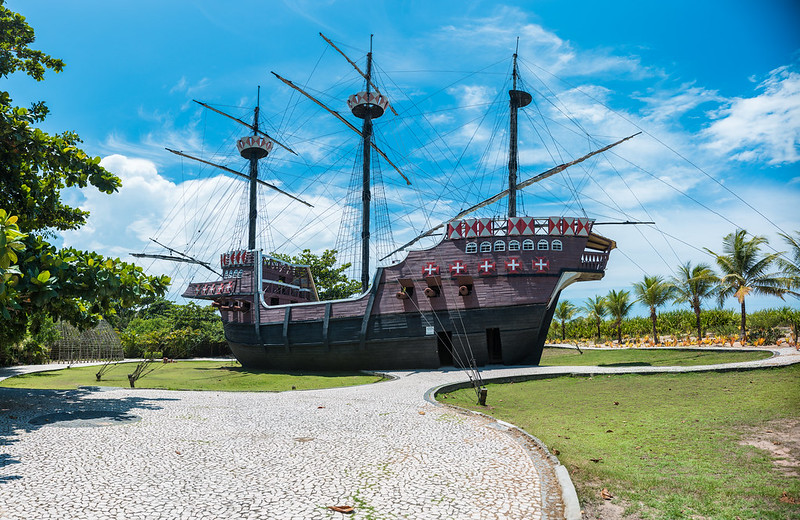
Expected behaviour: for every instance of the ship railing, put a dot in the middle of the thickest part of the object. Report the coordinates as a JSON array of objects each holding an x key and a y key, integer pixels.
[
  {"x": 518, "y": 226},
  {"x": 594, "y": 261},
  {"x": 210, "y": 289}
]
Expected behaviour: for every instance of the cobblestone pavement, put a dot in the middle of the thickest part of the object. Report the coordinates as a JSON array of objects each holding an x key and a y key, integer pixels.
[{"x": 380, "y": 448}]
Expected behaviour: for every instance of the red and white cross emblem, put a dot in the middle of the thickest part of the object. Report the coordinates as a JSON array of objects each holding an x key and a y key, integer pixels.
[
  {"x": 430, "y": 269},
  {"x": 457, "y": 268},
  {"x": 486, "y": 267},
  {"x": 541, "y": 264},
  {"x": 513, "y": 265}
]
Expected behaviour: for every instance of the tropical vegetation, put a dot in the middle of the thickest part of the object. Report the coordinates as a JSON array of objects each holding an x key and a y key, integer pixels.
[
  {"x": 745, "y": 270},
  {"x": 166, "y": 329},
  {"x": 39, "y": 281}
]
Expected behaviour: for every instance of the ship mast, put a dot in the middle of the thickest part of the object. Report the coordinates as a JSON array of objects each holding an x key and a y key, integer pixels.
[
  {"x": 366, "y": 195},
  {"x": 253, "y": 158},
  {"x": 517, "y": 100},
  {"x": 252, "y": 148}
]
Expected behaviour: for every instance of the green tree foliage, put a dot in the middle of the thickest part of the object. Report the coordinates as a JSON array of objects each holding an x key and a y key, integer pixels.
[
  {"x": 745, "y": 270},
  {"x": 67, "y": 284},
  {"x": 653, "y": 292},
  {"x": 619, "y": 305},
  {"x": 692, "y": 285},
  {"x": 173, "y": 331},
  {"x": 565, "y": 311},
  {"x": 332, "y": 283}
]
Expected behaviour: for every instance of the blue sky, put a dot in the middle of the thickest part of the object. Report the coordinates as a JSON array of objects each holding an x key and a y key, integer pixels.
[{"x": 714, "y": 85}]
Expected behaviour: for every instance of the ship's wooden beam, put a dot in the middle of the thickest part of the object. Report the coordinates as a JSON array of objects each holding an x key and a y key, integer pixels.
[
  {"x": 248, "y": 125},
  {"x": 240, "y": 174},
  {"x": 339, "y": 116},
  {"x": 171, "y": 258}
]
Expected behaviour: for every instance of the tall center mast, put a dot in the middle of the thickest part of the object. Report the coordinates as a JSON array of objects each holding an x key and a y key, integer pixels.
[
  {"x": 367, "y": 106},
  {"x": 517, "y": 100}
]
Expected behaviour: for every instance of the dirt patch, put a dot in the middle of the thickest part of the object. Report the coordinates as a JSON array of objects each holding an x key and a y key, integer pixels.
[
  {"x": 781, "y": 439},
  {"x": 607, "y": 510}
]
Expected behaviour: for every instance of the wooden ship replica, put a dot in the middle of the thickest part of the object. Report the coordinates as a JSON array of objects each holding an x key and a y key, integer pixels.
[{"x": 484, "y": 294}]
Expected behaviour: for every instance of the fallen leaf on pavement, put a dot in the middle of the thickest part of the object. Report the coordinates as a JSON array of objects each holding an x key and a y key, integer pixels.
[{"x": 342, "y": 509}]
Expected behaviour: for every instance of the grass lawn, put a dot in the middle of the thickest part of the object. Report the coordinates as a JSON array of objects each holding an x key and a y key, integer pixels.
[
  {"x": 666, "y": 446},
  {"x": 645, "y": 357},
  {"x": 190, "y": 375}
]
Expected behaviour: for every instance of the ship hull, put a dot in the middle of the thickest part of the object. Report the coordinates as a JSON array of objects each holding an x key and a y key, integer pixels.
[
  {"x": 466, "y": 301},
  {"x": 509, "y": 335}
]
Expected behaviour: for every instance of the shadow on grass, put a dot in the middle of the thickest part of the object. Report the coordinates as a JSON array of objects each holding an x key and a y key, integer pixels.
[
  {"x": 250, "y": 371},
  {"x": 629, "y": 364},
  {"x": 20, "y": 409}
]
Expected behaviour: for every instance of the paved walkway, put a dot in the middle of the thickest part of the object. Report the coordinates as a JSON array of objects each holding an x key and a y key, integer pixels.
[{"x": 381, "y": 448}]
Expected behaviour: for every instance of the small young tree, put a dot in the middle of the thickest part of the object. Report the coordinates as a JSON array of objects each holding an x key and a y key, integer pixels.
[
  {"x": 692, "y": 285},
  {"x": 596, "y": 309},
  {"x": 653, "y": 292},
  {"x": 619, "y": 305},
  {"x": 565, "y": 311}
]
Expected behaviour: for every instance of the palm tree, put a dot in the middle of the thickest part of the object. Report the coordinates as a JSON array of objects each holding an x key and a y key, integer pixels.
[
  {"x": 653, "y": 292},
  {"x": 565, "y": 311},
  {"x": 744, "y": 270},
  {"x": 791, "y": 265},
  {"x": 619, "y": 305},
  {"x": 692, "y": 285},
  {"x": 595, "y": 309}
]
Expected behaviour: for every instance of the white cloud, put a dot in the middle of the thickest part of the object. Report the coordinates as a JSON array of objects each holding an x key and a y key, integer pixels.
[
  {"x": 473, "y": 96},
  {"x": 554, "y": 54},
  {"x": 765, "y": 127},
  {"x": 670, "y": 105}
]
